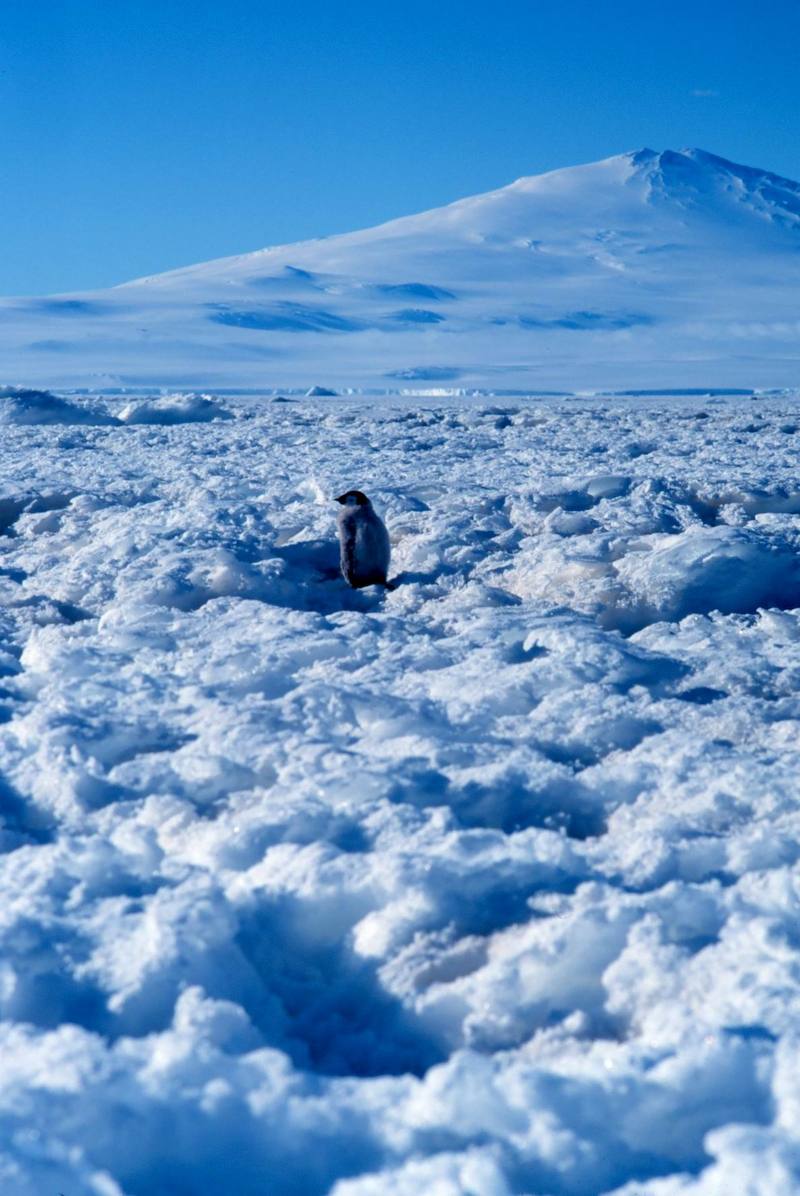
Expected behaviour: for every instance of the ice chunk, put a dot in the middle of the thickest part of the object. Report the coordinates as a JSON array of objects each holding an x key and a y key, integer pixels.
[
  {"x": 175, "y": 409},
  {"x": 19, "y": 405}
]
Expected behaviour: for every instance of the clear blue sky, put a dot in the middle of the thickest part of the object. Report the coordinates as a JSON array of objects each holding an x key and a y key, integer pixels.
[{"x": 140, "y": 135}]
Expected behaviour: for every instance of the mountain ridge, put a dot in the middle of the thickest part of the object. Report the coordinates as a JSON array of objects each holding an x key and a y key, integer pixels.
[{"x": 650, "y": 161}]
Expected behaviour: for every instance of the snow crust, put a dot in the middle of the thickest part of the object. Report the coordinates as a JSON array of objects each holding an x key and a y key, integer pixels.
[
  {"x": 675, "y": 269},
  {"x": 488, "y": 884}
]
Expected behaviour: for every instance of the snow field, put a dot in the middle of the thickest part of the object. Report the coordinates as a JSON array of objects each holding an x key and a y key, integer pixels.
[{"x": 484, "y": 885}]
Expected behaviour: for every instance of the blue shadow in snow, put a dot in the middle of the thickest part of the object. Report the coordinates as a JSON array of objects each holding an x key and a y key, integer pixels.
[{"x": 284, "y": 317}]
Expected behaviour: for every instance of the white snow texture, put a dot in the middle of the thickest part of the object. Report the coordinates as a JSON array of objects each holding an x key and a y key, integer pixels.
[{"x": 487, "y": 885}]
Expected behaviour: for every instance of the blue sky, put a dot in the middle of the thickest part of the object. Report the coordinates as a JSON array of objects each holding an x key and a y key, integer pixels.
[{"x": 140, "y": 135}]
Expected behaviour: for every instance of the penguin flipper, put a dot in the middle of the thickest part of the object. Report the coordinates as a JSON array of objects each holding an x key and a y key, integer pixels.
[{"x": 348, "y": 560}]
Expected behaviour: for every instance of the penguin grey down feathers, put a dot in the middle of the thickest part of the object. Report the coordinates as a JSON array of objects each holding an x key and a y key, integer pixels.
[{"x": 363, "y": 541}]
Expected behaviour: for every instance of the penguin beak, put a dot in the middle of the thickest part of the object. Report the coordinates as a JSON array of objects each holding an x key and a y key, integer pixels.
[{"x": 342, "y": 498}]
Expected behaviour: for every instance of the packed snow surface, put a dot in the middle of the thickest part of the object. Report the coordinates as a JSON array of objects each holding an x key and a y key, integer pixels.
[
  {"x": 488, "y": 884},
  {"x": 673, "y": 269}
]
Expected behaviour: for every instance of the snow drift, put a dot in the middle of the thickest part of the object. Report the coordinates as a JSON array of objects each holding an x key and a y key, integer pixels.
[
  {"x": 20, "y": 405},
  {"x": 174, "y": 409}
]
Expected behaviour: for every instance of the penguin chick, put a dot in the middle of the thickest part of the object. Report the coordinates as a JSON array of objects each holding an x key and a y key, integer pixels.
[{"x": 363, "y": 541}]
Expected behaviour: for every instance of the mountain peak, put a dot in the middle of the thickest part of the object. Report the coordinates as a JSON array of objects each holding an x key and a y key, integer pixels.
[
  {"x": 695, "y": 158},
  {"x": 676, "y": 158},
  {"x": 640, "y": 157}
]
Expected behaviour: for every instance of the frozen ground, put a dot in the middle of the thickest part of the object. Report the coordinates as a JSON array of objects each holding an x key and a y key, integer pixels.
[{"x": 486, "y": 885}]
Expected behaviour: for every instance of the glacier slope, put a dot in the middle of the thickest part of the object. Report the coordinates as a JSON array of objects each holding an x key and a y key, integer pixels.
[{"x": 485, "y": 885}]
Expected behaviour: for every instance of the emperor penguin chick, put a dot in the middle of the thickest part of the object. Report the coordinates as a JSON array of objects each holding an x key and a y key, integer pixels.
[{"x": 363, "y": 541}]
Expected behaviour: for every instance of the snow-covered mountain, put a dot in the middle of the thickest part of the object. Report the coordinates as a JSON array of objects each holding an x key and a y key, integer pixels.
[{"x": 646, "y": 270}]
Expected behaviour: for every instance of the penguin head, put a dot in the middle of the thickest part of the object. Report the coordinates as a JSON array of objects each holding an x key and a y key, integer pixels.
[{"x": 353, "y": 498}]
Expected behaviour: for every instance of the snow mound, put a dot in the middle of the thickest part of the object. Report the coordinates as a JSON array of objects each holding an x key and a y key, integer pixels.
[
  {"x": 727, "y": 569},
  {"x": 19, "y": 405},
  {"x": 320, "y": 392},
  {"x": 175, "y": 409},
  {"x": 634, "y": 551}
]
